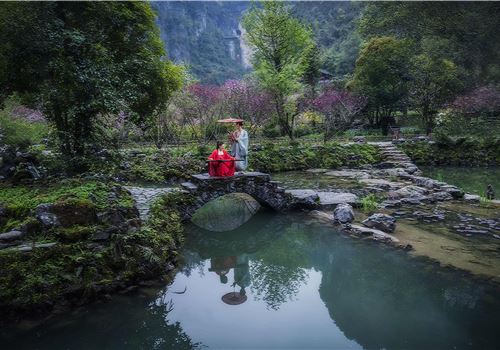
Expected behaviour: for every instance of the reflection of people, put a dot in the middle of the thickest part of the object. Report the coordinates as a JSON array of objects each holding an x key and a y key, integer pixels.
[
  {"x": 242, "y": 273},
  {"x": 220, "y": 162},
  {"x": 239, "y": 146}
]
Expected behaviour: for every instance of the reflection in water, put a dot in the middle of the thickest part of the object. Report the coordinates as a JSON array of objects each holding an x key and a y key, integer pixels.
[
  {"x": 222, "y": 265},
  {"x": 226, "y": 213},
  {"x": 378, "y": 297},
  {"x": 136, "y": 321},
  {"x": 297, "y": 285}
]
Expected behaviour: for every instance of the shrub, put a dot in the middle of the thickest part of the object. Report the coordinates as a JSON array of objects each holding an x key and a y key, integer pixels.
[{"x": 369, "y": 203}]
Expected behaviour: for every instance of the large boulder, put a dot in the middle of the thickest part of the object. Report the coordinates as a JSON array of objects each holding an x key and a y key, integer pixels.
[
  {"x": 67, "y": 213},
  {"x": 381, "y": 222},
  {"x": 343, "y": 214}
]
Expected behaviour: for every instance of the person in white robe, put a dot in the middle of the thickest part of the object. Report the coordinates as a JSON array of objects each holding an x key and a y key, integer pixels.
[{"x": 239, "y": 147}]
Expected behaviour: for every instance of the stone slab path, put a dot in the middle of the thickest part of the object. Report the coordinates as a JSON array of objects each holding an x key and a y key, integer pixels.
[{"x": 145, "y": 196}]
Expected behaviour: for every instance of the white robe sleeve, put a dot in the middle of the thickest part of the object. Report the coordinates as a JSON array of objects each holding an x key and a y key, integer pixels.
[{"x": 243, "y": 142}]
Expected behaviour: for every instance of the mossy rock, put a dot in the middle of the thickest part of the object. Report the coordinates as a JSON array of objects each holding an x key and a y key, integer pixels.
[{"x": 74, "y": 233}]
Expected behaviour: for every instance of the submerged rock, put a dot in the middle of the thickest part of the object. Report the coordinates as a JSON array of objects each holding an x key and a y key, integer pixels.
[
  {"x": 355, "y": 174},
  {"x": 374, "y": 234},
  {"x": 343, "y": 213},
  {"x": 381, "y": 221}
]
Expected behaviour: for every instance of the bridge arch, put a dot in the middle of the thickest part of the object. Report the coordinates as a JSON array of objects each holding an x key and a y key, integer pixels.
[{"x": 205, "y": 188}]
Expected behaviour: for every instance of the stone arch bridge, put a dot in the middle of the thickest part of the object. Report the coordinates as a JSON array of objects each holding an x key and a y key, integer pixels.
[{"x": 258, "y": 185}]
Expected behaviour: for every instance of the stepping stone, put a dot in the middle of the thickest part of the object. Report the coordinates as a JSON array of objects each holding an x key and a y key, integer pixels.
[{"x": 334, "y": 198}]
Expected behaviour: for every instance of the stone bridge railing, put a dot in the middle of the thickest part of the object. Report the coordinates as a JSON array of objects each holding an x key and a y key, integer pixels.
[{"x": 258, "y": 185}]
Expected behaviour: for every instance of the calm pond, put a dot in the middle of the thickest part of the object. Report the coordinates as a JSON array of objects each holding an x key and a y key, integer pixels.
[
  {"x": 288, "y": 282},
  {"x": 473, "y": 180}
]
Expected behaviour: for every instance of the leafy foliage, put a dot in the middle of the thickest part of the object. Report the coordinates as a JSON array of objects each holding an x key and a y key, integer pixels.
[
  {"x": 279, "y": 41},
  {"x": 80, "y": 61},
  {"x": 382, "y": 75},
  {"x": 434, "y": 82},
  {"x": 466, "y": 31}
]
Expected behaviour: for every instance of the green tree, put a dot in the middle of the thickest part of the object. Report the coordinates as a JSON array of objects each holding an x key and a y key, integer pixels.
[
  {"x": 311, "y": 66},
  {"x": 434, "y": 81},
  {"x": 279, "y": 42},
  {"x": 382, "y": 75},
  {"x": 82, "y": 61},
  {"x": 469, "y": 28}
]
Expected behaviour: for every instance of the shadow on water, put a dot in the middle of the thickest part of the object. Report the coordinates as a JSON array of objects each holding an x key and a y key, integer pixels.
[{"x": 299, "y": 285}]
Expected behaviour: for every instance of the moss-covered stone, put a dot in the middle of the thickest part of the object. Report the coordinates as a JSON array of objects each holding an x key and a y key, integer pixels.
[{"x": 77, "y": 268}]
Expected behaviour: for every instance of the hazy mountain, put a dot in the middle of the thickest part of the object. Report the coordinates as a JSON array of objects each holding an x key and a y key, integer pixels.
[{"x": 208, "y": 35}]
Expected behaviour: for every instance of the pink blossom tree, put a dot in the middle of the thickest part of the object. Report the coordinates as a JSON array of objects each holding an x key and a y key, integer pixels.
[
  {"x": 244, "y": 100},
  {"x": 484, "y": 100},
  {"x": 199, "y": 107},
  {"x": 339, "y": 107}
]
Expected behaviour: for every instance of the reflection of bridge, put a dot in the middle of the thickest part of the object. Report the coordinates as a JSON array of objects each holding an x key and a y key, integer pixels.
[{"x": 258, "y": 185}]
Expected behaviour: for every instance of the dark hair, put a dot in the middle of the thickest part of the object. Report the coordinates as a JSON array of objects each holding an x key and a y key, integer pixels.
[
  {"x": 219, "y": 143},
  {"x": 239, "y": 123}
]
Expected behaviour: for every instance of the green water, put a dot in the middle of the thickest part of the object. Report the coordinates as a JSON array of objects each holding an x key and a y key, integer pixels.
[
  {"x": 470, "y": 179},
  {"x": 300, "y": 285}
]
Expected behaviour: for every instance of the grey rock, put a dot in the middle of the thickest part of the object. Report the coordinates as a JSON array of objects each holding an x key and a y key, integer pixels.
[
  {"x": 343, "y": 213},
  {"x": 304, "y": 198},
  {"x": 390, "y": 204},
  {"x": 11, "y": 236},
  {"x": 381, "y": 222},
  {"x": 429, "y": 217},
  {"x": 416, "y": 200},
  {"x": 44, "y": 214},
  {"x": 375, "y": 234},
  {"x": 28, "y": 248},
  {"x": 355, "y": 174},
  {"x": 359, "y": 139},
  {"x": 381, "y": 183},
  {"x": 455, "y": 192},
  {"x": 334, "y": 198},
  {"x": 101, "y": 236},
  {"x": 442, "y": 196},
  {"x": 410, "y": 191},
  {"x": 472, "y": 198}
]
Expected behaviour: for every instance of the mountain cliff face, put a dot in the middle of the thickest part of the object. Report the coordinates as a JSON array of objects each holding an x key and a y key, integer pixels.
[{"x": 207, "y": 35}]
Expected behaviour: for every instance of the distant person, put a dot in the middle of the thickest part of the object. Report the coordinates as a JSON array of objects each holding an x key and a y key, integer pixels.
[
  {"x": 239, "y": 146},
  {"x": 220, "y": 163},
  {"x": 490, "y": 193}
]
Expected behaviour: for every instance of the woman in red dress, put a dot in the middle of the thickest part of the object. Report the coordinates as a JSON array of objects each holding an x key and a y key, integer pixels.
[{"x": 220, "y": 162}]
